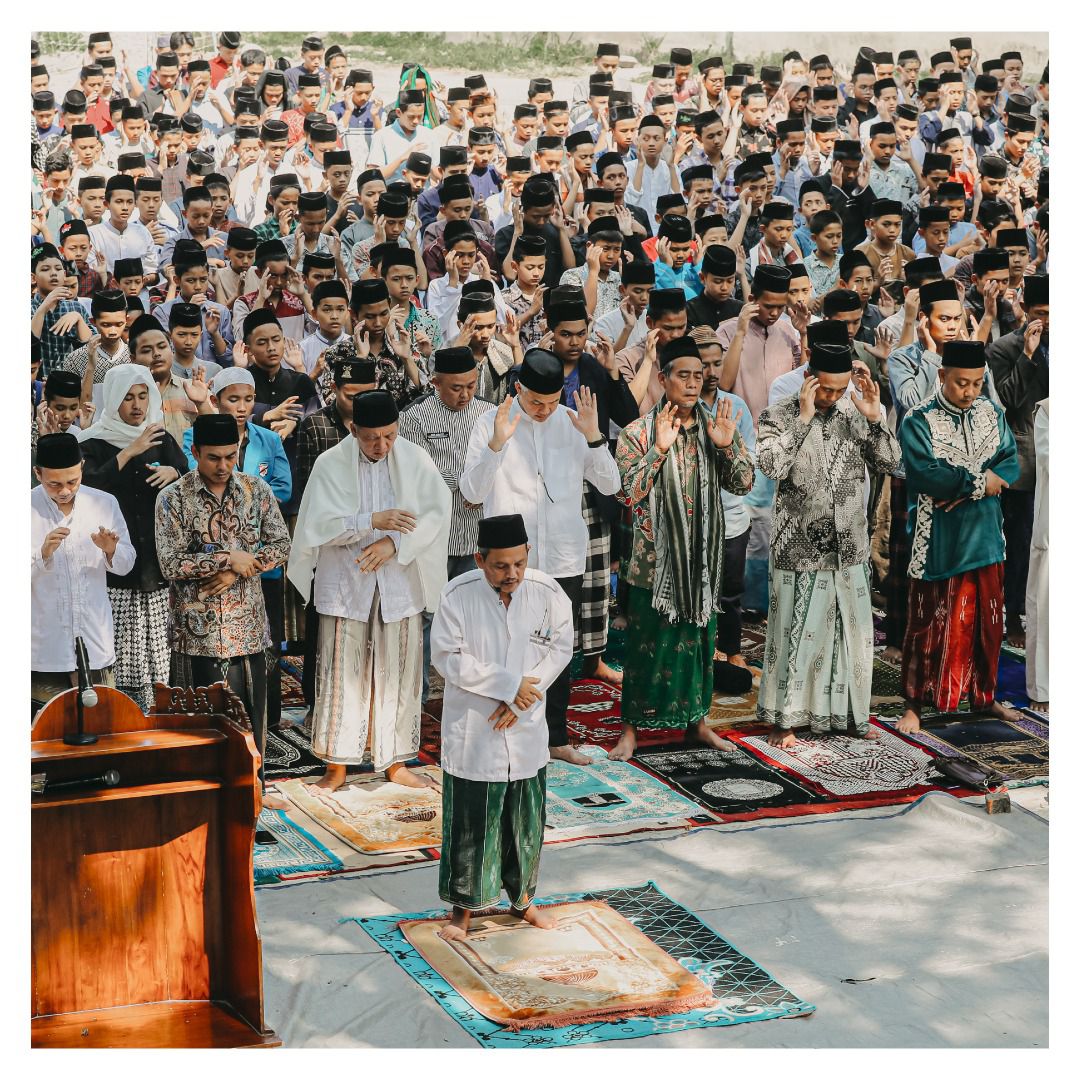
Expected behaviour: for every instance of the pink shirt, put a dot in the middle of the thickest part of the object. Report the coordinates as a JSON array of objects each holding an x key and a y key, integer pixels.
[{"x": 767, "y": 352}]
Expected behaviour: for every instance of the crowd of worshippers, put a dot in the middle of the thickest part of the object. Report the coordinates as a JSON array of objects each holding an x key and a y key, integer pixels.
[{"x": 403, "y": 377}]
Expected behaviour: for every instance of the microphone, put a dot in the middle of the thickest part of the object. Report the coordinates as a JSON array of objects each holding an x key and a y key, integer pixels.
[
  {"x": 86, "y": 686},
  {"x": 109, "y": 778}
]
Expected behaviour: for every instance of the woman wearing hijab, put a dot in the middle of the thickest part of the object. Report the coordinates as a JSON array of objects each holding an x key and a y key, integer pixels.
[
  {"x": 262, "y": 453},
  {"x": 129, "y": 454},
  {"x": 415, "y": 77}
]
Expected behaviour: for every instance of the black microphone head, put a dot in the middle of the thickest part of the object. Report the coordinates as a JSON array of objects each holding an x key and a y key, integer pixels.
[{"x": 111, "y": 778}]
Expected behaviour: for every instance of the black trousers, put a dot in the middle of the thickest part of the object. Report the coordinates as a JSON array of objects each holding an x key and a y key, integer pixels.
[
  {"x": 311, "y": 651},
  {"x": 558, "y": 695},
  {"x": 1018, "y": 514},
  {"x": 729, "y": 621},
  {"x": 244, "y": 675},
  {"x": 274, "y": 598}
]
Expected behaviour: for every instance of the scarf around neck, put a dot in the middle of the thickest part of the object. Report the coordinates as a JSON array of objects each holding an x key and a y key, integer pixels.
[{"x": 689, "y": 549}]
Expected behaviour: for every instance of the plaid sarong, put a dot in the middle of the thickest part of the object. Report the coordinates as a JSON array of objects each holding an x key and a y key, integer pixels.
[{"x": 592, "y": 634}]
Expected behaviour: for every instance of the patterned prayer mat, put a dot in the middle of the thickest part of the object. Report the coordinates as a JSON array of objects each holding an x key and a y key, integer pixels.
[
  {"x": 612, "y": 797},
  {"x": 731, "y": 782},
  {"x": 846, "y": 767},
  {"x": 374, "y": 816},
  {"x": 296, "y": 850},
  {"x": 292, "y": 687},
  {"x": 741, "y": 990},
  {"x": 288, "y": 754},
  {"x": 1019, "y": 750}
]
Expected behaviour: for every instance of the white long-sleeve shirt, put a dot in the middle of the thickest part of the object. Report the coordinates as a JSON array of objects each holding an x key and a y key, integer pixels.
[
  {"x": 655, "y": 181},
  {"x": 612, "y": 323},
  {"x": 538, "y": 474},
  {"x": 68, "y": 596},
  {"x": 442, "y": 301},
  {"x": 135, "y": 242},
  {"x": 483, "y": 649},
  {"x": 341, "y": 588}
]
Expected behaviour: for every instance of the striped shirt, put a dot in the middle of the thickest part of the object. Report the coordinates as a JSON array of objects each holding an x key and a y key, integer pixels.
[{"x": 444, "y": 434}]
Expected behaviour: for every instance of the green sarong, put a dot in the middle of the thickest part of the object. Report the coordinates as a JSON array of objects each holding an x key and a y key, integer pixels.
[
  {"x": 492, "y": 835},
  {"x": 668, "y": 672}
]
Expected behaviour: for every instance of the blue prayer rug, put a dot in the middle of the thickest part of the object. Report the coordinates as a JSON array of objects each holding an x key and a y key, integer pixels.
[
  {"x": 296, "y": 850},
  {"x": 612, "y": 795},
  {"x": 744, "y": 991}
]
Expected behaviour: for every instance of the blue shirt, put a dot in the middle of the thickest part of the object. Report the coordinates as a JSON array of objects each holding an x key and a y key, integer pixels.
[
  {"x": 736, "y": 515},
  {"x": 687, "y": 278},
  {"x": 361, "y": 118},
  {"x": 264, "y": 456}
]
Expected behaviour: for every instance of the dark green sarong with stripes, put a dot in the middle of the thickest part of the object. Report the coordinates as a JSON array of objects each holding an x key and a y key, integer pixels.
[{"x": 492, "y": 835}]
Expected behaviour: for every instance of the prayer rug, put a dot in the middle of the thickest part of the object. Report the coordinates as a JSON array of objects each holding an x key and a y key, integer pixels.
[
  {"x": 288, "y": 754},
  {"x": 609, "y": 797},
  {"x": 292, "y": 683},
  {"x": 1019, "y": 750},
  {"x": 296, "y": 850},
  {"x": 731, "y": 782},
  {"x": 374, "y": 816},
  {"x": 741, "y": 991},
  {"x": 733, "y": 709},
  {"x": 844, "y": 766}
]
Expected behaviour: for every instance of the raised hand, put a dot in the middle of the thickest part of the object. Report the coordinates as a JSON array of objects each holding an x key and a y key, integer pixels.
[
  {"x": 294, "y": 356},
  {"x": 150, "y": 437},
  {"x": 504, "y": 426},
  {"x": 1032, "y": 338},
  {"x": 196, "y": 387},
  {"x": 465, "y": 334},
  {"x": 990, "y": 299},
  {"x": 67, "y": 322},
  {"x": 605, "y": 352},
  {"x": 585, "y": 419},
  {"x": 511, "y": 329},
  {"x": 86, "y": 414},
  {"x": 361, "y": 340},
  {"x": 483, "y": 268},
  {"x": 289, "y": 409},
  {"x": 749, "y": 310},
  {"x": 667, "y": 428},
  {"x": 211, "y": 320},
  {"x": 424, "y": 344},
  {"x": 106, "y": 540},
  {"x": 807, "y": 408},
  {"x": 393, "y": 521},
  {"x": 53, "y": 540},
  {"x": 663, "y": 251},
  {"x": 241, "y": 356},
  {"x": 721, "y": 431},
  {"x": 799, "y": 314},
  {"x": 869, "y": 404},
  {"x": 925, "y": 339}
]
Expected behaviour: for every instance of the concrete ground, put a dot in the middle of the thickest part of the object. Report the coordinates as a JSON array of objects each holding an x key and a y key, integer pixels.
[{"x": 922, "y": 926}]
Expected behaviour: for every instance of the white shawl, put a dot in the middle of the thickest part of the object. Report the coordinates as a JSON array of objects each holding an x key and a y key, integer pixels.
[
  {"x": 332, "y": 494},
  {"x": 118, "y": 381}
]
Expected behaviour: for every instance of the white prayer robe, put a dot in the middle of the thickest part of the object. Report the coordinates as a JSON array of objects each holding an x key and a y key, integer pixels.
[
  {"x": 1038, "y": 583},
  {"x": 68, "y": 597},
  {"x": 370, "y": 664},
  {"x": 538, "y": 474},
  {"x": 442, "y": 301},
  {"x": 135, "y": 242},
  {"x": 483, "y": 649}
]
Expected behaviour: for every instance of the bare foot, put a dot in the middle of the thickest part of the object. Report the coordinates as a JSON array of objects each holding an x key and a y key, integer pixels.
[
  {"x": 568, "y": 753},
  {"x": 537, "y": 917},
  {"x": 870, "y": 733},
  {"x": 607, "y": 674},
  {"x": 457, "y": 927},
  {"x": 619, "y": 622},
  {"x": 705, "y": 734},
  {"x": 398, "y": 774},
  {"x": 625, "y": 748},
  {"x": 892, "y": 655},
  {"x": 909, "y": 722},
  {"x": 1017, "y": 639},
  {"x": 1003, "y": 712},
  {"x": 271, "y": 800},
  {"x": 285, "y": 723},
  {"x": 738, "y": 660},
  {"x": 1040, "y": 706},
  {"x": 333, "y": 778},
  {"x": 782, "y": 738}
]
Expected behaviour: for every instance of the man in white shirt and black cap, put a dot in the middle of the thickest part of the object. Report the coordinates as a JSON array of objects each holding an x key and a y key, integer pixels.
[
  {"x": 500, "y": 638},
  {"x": 373, "y": 528},
  {"x": 538, "y": 471},
  {"x": 77, "y": 536}
]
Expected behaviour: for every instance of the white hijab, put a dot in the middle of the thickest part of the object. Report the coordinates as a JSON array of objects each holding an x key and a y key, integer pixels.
[{"x": 118, "y": 381}]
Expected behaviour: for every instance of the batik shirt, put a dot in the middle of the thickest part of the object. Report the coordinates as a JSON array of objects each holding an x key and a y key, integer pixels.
[
  {"x": 532, "y": 330},
  {"x": 947, "y": 452},
  {"x": 390, "y": 374},
  {"x": 194, "y": 533},
  {"x": 639, "y": 466},
  {"x": 419, "y": 319},
  {"x": 607, "y": 292},
  {"x": 103, "y": 363},
  {"x": 819, "y": 521}
]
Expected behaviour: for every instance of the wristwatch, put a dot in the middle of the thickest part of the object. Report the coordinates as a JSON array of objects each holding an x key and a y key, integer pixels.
[{"x": 599, "y": 442}]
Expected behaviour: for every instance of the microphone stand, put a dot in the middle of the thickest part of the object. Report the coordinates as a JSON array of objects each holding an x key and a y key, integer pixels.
[{"x": 81, "y": 737}]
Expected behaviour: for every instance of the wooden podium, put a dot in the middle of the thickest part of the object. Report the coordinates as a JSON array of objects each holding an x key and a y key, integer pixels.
[{"x": 143, "y": 901}]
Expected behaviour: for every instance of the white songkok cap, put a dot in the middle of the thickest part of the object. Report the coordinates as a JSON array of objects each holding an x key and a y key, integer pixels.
[{"x": 228, "y": 376}]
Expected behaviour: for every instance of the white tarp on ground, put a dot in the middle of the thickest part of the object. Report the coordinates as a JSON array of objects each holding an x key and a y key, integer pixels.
[{"x": 940, "y": 907}]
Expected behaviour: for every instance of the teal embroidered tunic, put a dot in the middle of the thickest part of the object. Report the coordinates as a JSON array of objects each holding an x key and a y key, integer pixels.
[{"x": 946, "y": 452}]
